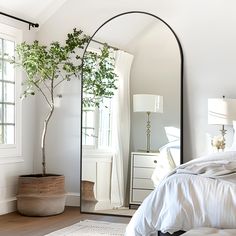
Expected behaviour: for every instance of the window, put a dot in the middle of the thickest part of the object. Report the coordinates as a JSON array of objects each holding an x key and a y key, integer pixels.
[
  {"x": 7, "y": 93},
  {"x": 10, "y": 84}
]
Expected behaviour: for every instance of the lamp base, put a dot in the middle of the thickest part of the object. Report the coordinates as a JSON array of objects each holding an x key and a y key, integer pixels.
[
  {"x": 218, "y": 142},
  {"x": 223, "y": 143}
]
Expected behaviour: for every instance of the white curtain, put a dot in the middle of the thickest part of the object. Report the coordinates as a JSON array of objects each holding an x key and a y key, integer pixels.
[{"x": 121, "y": 128}]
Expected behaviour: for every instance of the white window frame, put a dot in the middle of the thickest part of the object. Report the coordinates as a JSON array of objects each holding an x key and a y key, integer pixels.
[{"x": 13, "y": 150}]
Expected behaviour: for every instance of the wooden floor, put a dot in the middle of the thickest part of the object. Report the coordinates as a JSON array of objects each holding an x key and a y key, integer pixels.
[{"x": 14, "y": 224}]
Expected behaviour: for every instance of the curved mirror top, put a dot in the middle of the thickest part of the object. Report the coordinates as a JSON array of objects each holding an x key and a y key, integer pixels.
[{"x": 131, "y": 129}]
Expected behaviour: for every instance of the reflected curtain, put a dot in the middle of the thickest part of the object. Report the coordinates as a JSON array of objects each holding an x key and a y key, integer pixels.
[{"x": 121, "y": 128}]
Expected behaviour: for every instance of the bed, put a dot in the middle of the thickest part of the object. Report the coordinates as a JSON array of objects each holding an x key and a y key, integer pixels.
[{"x": 200, "y": 193}]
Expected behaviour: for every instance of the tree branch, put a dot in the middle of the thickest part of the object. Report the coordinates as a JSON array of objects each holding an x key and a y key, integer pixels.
[
  {"x": 42, "y": 93},
  {"x": 52, "y": 88},
  {"x": 46, "y": 86},
  {"x": 64, "y": 78},
  {"x": 59, "y": 83}
]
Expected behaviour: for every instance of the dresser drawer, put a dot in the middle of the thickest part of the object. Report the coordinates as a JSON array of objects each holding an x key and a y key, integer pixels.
[
  {"x": 143, "y": 184},
  {"x": 145, "y": 161},
  {"x": 145, "y": 173},
  {"x": 139, "y": 195}
]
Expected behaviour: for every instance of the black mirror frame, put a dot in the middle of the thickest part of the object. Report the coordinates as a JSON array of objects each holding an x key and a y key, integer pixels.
[{"x": 181, "y": 95}]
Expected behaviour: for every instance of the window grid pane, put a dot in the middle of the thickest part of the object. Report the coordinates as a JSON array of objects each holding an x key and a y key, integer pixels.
[
  {"x": 1, "y": 44},
  {"x": 105, "y": 124},
  {"x": 8, "y": 48},
  {"x": 9, "y": 134},
  {"x": 88, "y": 137},
  {"x": 1, "y": 136},
  {"x": 8, "y": 71}
]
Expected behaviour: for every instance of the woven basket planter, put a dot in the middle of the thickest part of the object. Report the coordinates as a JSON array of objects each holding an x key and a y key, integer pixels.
[
  {"x": 88, "y": 199},
  {"x": 41, "y": 195}
]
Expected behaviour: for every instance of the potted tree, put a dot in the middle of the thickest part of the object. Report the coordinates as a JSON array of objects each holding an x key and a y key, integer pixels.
[{"x": 46, "y": 68}]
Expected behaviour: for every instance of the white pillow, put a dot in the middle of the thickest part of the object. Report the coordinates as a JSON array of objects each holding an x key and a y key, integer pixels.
[
  {"x": 172, "y": 144},
  {"x": 172, "y": 133}
]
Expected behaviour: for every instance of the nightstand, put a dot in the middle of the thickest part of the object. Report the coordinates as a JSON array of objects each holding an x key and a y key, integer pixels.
[{"x": 142, "y": 167}]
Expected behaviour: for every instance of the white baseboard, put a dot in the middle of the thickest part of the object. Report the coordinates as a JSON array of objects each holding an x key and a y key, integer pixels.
[
  {"x": 103, "y": 204},
  {"x": 7, "y": 206},
  {"x": 73, "y": 199}
]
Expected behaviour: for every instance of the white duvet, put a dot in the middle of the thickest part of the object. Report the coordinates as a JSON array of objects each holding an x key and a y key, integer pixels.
[{"x": 200, "y": 193}]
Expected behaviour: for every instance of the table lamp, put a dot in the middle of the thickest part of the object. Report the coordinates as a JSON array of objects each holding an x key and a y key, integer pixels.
[
  {"x": 221, "y": 111},
  {"x": 148, "y": 103}
]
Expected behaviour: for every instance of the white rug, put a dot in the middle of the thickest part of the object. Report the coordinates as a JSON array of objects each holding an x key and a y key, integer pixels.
[{"x": 91, "y": 228}]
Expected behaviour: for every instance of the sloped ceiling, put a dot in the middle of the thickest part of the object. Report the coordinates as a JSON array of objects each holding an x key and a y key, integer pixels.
[
  {"x": 31, "y": 10},
  {"x": 78, "y": 11}
]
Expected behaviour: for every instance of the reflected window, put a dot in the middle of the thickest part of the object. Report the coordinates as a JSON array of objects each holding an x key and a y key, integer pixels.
[{"x": 97, "y": 131}]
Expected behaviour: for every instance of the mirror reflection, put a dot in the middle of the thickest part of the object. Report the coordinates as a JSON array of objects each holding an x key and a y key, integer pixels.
[{"x": 131, "y": 113}]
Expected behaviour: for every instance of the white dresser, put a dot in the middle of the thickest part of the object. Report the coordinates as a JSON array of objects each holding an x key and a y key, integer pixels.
[{"x": 142, "y": 167}]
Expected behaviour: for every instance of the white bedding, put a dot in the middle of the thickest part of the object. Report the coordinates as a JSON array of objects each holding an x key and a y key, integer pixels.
[
  {"x": 200, "y": 193},
  {"x": 170, "y": 158}
]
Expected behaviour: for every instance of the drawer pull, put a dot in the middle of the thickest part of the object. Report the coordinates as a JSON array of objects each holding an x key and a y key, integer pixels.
[{"x": 155, "y": 161}]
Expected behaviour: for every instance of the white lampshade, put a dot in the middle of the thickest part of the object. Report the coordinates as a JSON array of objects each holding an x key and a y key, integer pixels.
[
  {"x": 147, "y": 103},
  {"x": 221, "y": 111}
]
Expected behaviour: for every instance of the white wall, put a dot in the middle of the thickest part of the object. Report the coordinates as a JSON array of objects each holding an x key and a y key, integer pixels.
[
  {"x": 11, "y": 168},
  {"x": 206, "y": 31},
  {"x": 63, "y": 137}
]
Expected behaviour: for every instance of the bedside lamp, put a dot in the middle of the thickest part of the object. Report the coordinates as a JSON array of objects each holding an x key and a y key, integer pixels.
[
  {"x": 148, "y": 103},
  {"x": 221, "y": 111}
]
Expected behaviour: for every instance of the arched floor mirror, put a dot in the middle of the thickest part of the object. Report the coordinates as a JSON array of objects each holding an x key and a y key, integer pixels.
[{"x": 132, "y": 132}]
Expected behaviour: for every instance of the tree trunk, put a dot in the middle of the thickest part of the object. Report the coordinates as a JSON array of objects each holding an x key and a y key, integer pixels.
[{"x": 45, "y": 126}]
